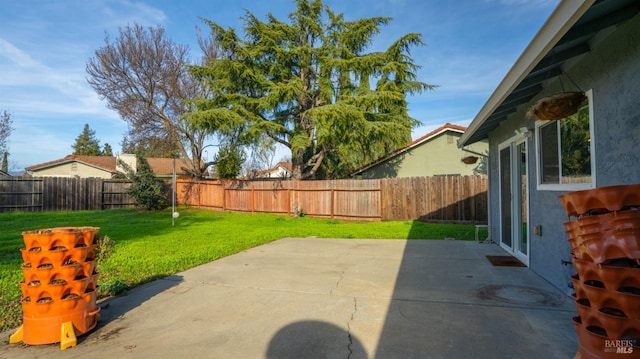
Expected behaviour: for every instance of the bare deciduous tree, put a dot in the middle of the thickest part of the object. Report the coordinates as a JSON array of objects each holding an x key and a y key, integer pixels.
[
  {"x": 5, "y": 130},
  {"x": 144, "y": 76},
  {"x": 261, "y": 156}
]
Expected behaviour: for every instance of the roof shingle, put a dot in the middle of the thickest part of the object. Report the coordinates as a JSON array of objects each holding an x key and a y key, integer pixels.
[{"x": 159, "y": 166}]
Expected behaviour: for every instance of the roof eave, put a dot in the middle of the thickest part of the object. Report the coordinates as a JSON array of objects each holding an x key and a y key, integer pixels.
[
  {"x": 559, "y": 22},
  {"x": 51, "y": 165}
]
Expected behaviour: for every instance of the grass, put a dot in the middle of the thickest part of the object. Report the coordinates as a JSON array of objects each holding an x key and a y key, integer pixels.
[{"x": 147, "y": 247}]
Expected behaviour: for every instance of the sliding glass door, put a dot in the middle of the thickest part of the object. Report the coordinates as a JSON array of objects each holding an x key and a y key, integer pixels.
[{"x": 514, "y": 229}]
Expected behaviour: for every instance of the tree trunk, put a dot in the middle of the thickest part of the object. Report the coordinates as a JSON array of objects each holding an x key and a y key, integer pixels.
[{"x": 297, "y": 165}]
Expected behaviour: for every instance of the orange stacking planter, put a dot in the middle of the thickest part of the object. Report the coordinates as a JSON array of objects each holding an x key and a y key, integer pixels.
[
  {"x": 605, "y": 248},
  {"x": 59, "y": 288}
]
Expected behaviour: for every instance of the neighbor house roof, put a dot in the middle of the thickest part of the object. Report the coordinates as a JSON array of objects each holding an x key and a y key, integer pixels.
[
  {"x": 3, "y": 173},
  {"x": 106, "y": 163},
  {"x": 566, "y": 35},
  {"x": 285, "y": 167},
  {"x": 159, "y": 166},
  {"x": 164, "y": 166},
  {"x": 444, "y": 128}
]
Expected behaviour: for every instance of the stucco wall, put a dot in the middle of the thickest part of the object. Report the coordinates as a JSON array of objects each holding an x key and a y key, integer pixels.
[
  {"x": 612, "y": 71},
  {"x": 437, "y": 156}
]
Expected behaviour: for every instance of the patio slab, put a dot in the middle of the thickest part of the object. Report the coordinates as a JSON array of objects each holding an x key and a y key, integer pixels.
[{"x": 335, "y": 298}]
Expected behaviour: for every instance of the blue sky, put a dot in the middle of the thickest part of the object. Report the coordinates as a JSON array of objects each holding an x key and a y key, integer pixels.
[{"x": 45, "y": 45}]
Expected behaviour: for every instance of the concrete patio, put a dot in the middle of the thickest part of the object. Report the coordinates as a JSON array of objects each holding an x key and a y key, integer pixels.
[{"x": 335, "y": 298}]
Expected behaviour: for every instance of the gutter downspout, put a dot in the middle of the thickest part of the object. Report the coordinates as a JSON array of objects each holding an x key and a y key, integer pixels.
[
  {"x": 473, "y": 152},
  {"x": 461, "y": 147},
  {"x": 488, "y": 184}
]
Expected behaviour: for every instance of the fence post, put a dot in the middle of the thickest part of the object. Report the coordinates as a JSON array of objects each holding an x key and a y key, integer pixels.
[
  {"x": 289, "y": 200},
  {"x": 224, "y": 196},
  {"x": 253, "y": 199},
  {"x": 99, "y": 193},
  {"x": 199, "y": 186},
  {"x": 381, "y": 199},
  {"x": 332, "y": 201}
]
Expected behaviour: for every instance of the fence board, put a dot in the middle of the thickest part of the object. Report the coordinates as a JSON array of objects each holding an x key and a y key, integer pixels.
[
  {"x": 18, "y": 194},
  {"x": 438, "y": 198},
  {"x": 113, "y": 195},
  {"x": 35, "y": 194}
]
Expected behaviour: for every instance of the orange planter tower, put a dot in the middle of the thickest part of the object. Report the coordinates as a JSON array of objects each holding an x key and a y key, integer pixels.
[
  {"x": 605, "y": 242},
  {"x": 59, "y": 288}
]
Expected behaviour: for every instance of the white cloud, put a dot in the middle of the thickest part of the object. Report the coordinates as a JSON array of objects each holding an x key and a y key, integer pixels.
[
  {"x": 62, "y": 89},
  {"x": 15, "y": 55},
  {"x": 120, "y": 13},
  {"x": 146, "y": 11}
]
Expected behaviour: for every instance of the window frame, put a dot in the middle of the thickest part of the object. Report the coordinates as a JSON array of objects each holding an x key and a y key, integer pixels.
[{"x": 566, "y": 186}]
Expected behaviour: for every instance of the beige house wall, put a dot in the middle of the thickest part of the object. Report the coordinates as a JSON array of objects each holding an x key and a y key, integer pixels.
[
  {"x": 437, "y": 156},
  {"x": 71, "y": 169}
]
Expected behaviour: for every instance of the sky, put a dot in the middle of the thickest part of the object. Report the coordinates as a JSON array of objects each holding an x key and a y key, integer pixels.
[{"x": 45, "y": 46}]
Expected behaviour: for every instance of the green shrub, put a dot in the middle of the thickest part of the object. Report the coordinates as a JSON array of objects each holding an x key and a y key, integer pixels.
[
  {"x": 105, "y": 248},
  {"x": 146, "y": 189}
]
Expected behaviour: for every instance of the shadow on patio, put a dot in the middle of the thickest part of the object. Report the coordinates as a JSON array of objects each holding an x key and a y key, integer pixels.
[{"x": 449, "y": 301}]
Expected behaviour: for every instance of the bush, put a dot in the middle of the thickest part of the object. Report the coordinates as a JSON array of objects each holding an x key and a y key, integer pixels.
[
  {"x": 105, "y": 248},
  {"x": 149, "y": 192}
]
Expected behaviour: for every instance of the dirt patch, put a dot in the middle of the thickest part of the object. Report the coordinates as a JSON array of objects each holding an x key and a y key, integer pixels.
[{"x": 110, "y": 334}]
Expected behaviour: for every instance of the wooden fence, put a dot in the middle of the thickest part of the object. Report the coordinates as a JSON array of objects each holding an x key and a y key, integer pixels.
[
  {"x": 36, "y": 194},
  {"x": 459, "y": 199},
  {"x": 453, "y": 199}
]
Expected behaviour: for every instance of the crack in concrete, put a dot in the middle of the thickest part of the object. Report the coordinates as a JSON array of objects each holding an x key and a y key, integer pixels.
[
  {"x": 353, "y": 314},
  {"x": 338, "y": 281}
]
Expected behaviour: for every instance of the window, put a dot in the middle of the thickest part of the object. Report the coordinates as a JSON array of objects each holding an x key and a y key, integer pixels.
[{"x": 565, "y": 152}]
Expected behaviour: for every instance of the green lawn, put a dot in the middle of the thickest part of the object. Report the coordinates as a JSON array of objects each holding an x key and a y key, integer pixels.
[{"x": 147, "y": 247}]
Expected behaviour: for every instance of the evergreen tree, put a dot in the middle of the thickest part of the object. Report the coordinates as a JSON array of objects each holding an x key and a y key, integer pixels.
[
  {"x": 149, "y": 193},
  {"x": 107, "y": 151},
  {"x": 86, "y": 143},
  {"x": 228, "y": 162},
  {"x": 311, "y": 86}
]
